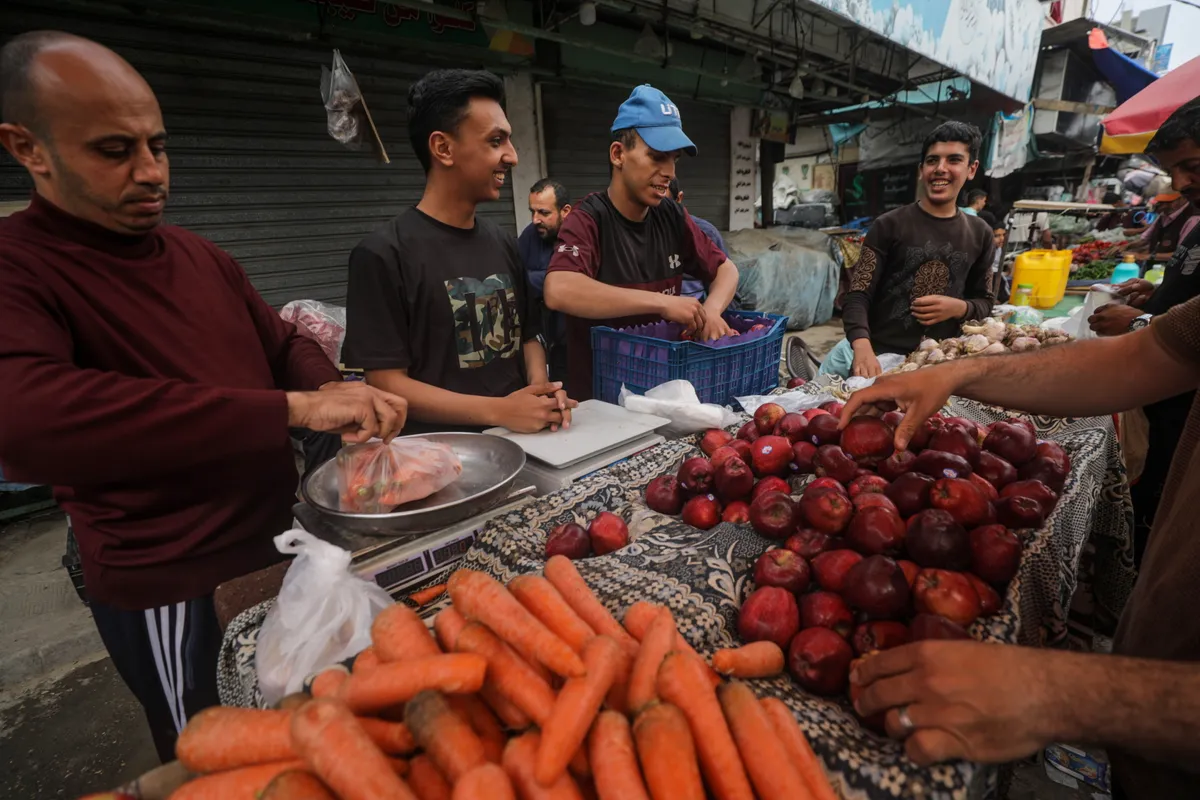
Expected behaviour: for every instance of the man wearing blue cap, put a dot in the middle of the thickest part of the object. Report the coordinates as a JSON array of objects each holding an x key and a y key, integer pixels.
[{"x": 622, "y": 253}]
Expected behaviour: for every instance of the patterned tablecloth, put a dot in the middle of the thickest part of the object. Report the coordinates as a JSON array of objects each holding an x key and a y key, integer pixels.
[{"x": 704, "y": 575}]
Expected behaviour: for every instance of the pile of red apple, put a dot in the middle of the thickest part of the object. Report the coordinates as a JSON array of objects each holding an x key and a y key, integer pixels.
[{"x": 882, "y": 547}]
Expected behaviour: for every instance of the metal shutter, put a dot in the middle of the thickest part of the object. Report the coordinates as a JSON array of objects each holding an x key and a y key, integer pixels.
[
  {"x": 576, "y": 123},
  {"x": 252, "y": 166}
]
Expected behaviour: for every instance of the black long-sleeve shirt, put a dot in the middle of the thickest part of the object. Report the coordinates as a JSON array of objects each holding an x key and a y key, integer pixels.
[{"x": 909, "y": 253}]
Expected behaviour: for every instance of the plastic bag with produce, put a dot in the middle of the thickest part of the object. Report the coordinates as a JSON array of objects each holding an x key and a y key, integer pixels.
[
  {"x": 322, "y": 616},
  {"x": 374, "y": 478}
]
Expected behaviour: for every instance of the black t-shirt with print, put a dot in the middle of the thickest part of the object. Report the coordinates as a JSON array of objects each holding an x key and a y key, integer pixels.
[
  {"x": 909, "y": 253},
  {"x": 447, "y": 304}
]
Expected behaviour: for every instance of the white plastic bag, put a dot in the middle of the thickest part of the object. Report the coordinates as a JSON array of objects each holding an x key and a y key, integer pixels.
[
  {"x": 1100, "y": 294},
  {"x": 322, "y": 616},
  {"x": 678, "y": 402}
]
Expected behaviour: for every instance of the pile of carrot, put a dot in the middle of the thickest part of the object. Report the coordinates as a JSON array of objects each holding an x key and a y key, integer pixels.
[{"x": 532, "y": 691}]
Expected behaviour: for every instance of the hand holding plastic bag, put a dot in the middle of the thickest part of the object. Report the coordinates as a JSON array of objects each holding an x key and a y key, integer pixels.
[
  {"x": 374, "y": 478},
  {"x": 322, "y": 616}
]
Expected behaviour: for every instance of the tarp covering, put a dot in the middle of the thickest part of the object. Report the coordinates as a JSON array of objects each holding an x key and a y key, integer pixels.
[
  {"x": 786, "y": 271},
  {"x": 1131, "y": 127},
  {"x": 1126, "y": 76}
]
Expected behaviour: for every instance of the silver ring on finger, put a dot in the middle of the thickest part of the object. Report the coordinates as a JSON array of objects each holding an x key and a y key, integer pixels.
[{"x": 906, "y": 723}]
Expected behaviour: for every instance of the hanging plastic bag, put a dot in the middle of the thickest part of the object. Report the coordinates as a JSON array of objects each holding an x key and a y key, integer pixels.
[
  {"x": 346, "y": 115},
  {"x": 321, "y": 321},
  {"x": 374, "y": 478},
  {"x": 323, "y": 615}
]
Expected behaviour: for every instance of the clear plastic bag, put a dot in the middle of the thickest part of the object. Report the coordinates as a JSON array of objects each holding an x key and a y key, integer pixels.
[
  {"x": 323, "y": 615},
  {"x": 321, "y": 321},
  {"x": 374, "y": 478},
  {"x": 347, "y": 117},
  {"x": 677, "y": 401}
]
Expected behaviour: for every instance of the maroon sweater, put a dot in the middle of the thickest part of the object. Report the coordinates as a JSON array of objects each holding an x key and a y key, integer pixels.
[{"x": 143, "y": 378}]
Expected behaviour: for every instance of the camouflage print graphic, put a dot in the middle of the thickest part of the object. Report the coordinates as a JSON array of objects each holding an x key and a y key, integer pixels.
[{"x": 486, "y": 323}]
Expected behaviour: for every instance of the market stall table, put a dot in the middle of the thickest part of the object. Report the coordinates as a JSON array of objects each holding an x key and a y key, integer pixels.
[{"x": 703, "y": 576}]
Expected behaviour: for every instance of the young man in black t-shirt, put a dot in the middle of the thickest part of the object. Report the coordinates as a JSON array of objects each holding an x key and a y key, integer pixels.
[
  {"x": 622, "y": 253},
  {"x": 438, "y": 308},
  {"x": 924, "y": 267}
]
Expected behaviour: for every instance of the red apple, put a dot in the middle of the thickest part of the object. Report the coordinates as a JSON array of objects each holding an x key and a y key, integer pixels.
[
  {"x": 938, "y": 464},
  {"x": 1054, "y": 452},
  {"x": 808, "y": 542},
  {"x": 833, "y": 407},
  {"x": 823, "y": 429},
  {"x": 696, "y": 475},
  {"x": 931, "y": 626},
  {"x": 879, "y": 634},
  {"x": 984, "y": 487},
  {"x": 792, "y": 427},
  {"x": 737, "y": 512},
  {"x": 875, "y": 531},
  {"x": 877, "y": 587},
  {"x": 767, "y": 416},
  {"x": 810, "y": 413},
  {"x": 608, "y": 532},
  {"x": 1016, "y": 444},
  {"x": 893, "y": 418},
  {"x": 956, "y": 441},
  {"x": 947, "y": 594},
  {"x": 819, "y": 660},
  {"x": 723, "y": 454},
  {"x": 825, "y": 610},
  {"x": 570, "y": 540},
  {"x": 795, "y": 383},
  {"x": 925, "y": 430},
  {"x": 830, "y": 568},
  {"x": 910, "y": 569},
  {"x": 771, "y": 455},
  {"x": 873, "y": 500},
  {"x": 664, "y": 495},
  {"x": 935, "y": 539},
  {"x": 714, "y": 438},
  {"x": 989, "y": 600},
  {"x": 826, "y": 509},
  {"x": 1043, "y": 494},
  {"x": 784, "y": 569},
  {"x": 769, "y": 614},
  {"x": 1046, "y": 471},
  {"x": 771, "y": 483},
  {"x": 961, "y": 499},
  {"x": 864, "y": 484},
  {"x": 995, "y": 470},
  {"x": 827, "y": 483},
  {"x": 896, "y": 464},
  {"x": 743, "y": 449},
  {"x": 868, "y": 440},
  {"x": 833, "y": 462},
  {"x": 702, "y": 511},
  {"x": 995, "y": 554},
  {"x": 748, "y": 432},
  {"x": 803, "y": 457},
  {"x": 773, "y": 514},
  {"x": 733, "y": 480},
  {"x": 910, "y": 492},
  {"x": 1018, "y": 511}
]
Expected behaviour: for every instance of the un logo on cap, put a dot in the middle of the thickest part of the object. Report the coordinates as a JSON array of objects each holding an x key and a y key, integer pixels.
[{"x": 670, "y": 110}]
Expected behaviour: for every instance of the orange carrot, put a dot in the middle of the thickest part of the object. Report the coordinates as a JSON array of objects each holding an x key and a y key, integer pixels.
[
  {"x": 766, "y": 759},
  {"x": 658, "y": 641},
  {"x": 399, "y": 765},
  {"x": 485, "y": 782},
  {"x": 339, "y": 751},
  {"x": 296, "y": 784},
  {"x": 400, "y": 635},
  {"x": 577, "y": 705},
  {"x": 328, "y": 681},
  {"x": 397, "y": 681},
  {"x": 426, "y": 781},
  {"x": 682, "y": 681},
  {"x": 755, "y": 660},
  {"x": 561, "y": 572},
  {"x": 508, "y": 673},
  {"x": 245, "y": 783},
  {"x": 445, "y": 737},
  {"x": 393, "y": 738},
  {"x": 482, "y": 721},
  {"x": 800, "y": 754},
  {"x": 367, "y": 659},
  {"x": 668, "y": 753},
  {"x": 428, "y": 594},
  {"x": 637, "y": 621},
  {"x": 614, "y": 759},
  {"x": 221, "y": 738},
  {"x": 513, "y": 718},
  {"x": 543, "y": 601},
  {"x": 520, "y": 757},
  {"x": 293, "y": 701},
  {"x": 618, "y": 694},
  {"x": 447, "y": 625},
  {"x": 481, "y": 597}
]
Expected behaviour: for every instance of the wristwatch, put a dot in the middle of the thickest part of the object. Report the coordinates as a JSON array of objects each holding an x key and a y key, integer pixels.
[{"x": 1137, "y": 323}]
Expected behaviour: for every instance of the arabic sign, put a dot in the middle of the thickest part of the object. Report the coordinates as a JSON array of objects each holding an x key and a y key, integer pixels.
[{"x": 993, "y": 42}]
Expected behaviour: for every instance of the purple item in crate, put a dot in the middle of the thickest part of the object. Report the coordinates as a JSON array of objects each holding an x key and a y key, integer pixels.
[{"x": 673, "y": 332}]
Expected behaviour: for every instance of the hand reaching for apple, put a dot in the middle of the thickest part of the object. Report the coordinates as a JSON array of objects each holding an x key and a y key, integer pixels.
[
  {"x": 981, "y": 702},
  {"x": 919, "y": 395}
]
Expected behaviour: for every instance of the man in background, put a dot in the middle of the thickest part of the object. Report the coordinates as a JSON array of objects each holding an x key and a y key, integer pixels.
[
  {"x": 976, "y": 200},
  {"x": 691, "y": 286},
  {"x": 549, "y": 205}
]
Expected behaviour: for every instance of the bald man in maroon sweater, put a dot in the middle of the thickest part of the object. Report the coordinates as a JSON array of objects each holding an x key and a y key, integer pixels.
[{"x": 142, "y": 376}]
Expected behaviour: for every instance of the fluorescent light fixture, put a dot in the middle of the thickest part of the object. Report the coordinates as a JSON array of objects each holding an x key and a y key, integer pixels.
[{"x": 587, "y": 13}]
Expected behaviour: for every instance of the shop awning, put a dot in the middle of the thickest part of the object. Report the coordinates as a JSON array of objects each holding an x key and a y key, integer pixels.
[
  {"x": 1131, "y": 127},
  {"x": 1126, "y": 76}
]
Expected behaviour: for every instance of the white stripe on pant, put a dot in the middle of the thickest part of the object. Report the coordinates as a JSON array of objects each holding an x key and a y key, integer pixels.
[{"x": 168, "y": 656}]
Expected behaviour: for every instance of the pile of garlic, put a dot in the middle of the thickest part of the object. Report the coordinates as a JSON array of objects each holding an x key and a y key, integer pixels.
[{"x": 990, "y": 337}]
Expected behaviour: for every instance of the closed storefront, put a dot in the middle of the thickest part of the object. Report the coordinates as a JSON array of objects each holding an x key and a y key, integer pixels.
[
  {"x": 576, "y": 122},
  {"x": 252, "y": 165}
]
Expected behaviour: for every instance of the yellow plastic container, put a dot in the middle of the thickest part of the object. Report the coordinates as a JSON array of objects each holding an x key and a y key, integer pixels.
[{"x": 1047, "y": 271}]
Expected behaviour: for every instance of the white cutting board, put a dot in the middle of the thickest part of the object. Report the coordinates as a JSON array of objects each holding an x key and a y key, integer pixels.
[{"x": 596, "y": 426}]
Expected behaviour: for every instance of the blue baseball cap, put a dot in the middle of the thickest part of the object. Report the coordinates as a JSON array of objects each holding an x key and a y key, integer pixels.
[{"x": 656, "y": 119}]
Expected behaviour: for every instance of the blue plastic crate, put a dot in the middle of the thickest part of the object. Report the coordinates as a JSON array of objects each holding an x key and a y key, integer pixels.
[{"x": 719, "y": 373}]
